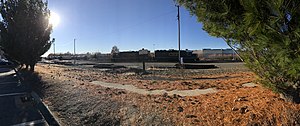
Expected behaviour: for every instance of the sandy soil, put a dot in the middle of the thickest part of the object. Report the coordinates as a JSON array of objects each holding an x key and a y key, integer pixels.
[{"x": 76, "y": 101}]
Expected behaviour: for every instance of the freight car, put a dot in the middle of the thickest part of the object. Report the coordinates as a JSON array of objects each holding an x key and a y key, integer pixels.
[
  {"x": 172, "y": 56},
  {"x": 131, "y": 56}
]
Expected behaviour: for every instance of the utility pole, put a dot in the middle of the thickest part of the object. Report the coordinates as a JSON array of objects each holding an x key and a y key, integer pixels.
[
  {"x": 53, "y": 48},
  {"x": 178, "y": 18},
  {"x": 53, "y": 41},
  {"x": 74, "y": 52}
]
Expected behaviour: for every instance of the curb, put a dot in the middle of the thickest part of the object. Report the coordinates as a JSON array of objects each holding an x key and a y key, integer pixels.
[
  {"x": 45, "y": 111},
  {"x": 48, "y": 115}
]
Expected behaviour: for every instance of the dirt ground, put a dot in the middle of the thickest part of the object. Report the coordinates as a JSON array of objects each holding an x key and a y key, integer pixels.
[{"x": 69, "y": 93}]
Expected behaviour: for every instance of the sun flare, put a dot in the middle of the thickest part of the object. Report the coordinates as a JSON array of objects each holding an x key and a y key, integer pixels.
[{"x": 54, "y": 19}]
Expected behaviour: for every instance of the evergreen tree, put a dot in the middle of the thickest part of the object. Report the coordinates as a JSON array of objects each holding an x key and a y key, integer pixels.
[
  {"x": 25, "y": 30},
  {"x": 114, "y": 50},
  {"x": 265, "y": 32}
]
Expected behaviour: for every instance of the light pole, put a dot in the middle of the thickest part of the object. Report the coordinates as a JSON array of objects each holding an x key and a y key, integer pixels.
[
  {"x": 74, "y": 52},
  {"x": 53, "y": 41},
  {"x": 178, "y": 18}
]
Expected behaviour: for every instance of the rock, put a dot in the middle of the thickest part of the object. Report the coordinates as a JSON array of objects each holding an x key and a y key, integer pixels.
[
  {"x": 244, "y": 110},
  {"x": 234, "y": 109},
  {"x": 118, "y": 93},
  {"x": 237, "y": 120},
  {"x": 191, "y": 116},
  {"x": 165, "y": 94},
  {"x": 252, "y": 124},
  {"x": 184, "y": 83},
  {"x": 240, "y": 99},
  {"x": 252, "y": 116},
  {"x": 196, "y": 120},
  {"x": 157, "y": 100},
  {"x": 180, "y": 109},
  {"x": 169, "y": 100},
  {"x": 253, "y": 85},
  {"x": 179, "y": 96},
  {"x": 134, "y": 106},
  {"x": 175, "y": 96},
  {"x": 122, "y": 92}
]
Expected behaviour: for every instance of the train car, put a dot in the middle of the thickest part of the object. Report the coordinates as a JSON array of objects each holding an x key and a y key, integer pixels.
[
  {"x": 172, "y": 56},
  {"x": 131, "y": 56},
  {"x": 128, "y": 56}
]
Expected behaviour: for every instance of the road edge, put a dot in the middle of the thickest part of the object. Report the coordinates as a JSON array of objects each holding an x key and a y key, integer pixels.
[
  {"x": 41, "y": 106},
  {"x": 46, "y": 112}
]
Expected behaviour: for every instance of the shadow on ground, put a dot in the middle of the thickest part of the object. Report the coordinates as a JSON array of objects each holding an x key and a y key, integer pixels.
[{"x": 75, "y": 105}]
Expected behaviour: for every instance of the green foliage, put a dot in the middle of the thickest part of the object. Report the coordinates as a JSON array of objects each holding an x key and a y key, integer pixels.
[
  {"x": 266, "y": 33},
  {"x": 25, "y": 30}
]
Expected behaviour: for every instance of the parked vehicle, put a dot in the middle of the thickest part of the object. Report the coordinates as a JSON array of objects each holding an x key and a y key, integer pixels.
[{"x": 5, "y": 63}]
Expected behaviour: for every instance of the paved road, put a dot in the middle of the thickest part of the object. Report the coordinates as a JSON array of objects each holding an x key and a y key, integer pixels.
[{"x": 17, "y": 107}]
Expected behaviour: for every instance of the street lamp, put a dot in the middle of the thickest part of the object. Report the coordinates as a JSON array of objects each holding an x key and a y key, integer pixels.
[
  {"x": 53, "y": 42},
  {"x": 178, "y": 18},
  {"x": 74, "y": 52}
]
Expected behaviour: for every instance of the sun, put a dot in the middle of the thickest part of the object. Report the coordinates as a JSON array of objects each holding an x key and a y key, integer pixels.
[{"x": 54, "y": 19}]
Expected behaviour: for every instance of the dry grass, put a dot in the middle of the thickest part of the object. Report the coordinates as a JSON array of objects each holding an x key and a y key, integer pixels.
[{"x": 233, "y": 105}]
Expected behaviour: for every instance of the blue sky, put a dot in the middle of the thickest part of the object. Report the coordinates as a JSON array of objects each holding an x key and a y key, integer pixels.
[{"x": 98, "y": 25}]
